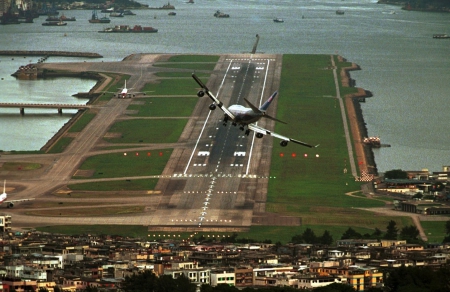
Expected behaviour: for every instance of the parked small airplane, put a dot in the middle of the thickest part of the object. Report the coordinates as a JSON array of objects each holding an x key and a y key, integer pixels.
[
  {"x": 247, "y": 116},
  {"x": 124, "y": 93},
  {"x": 4, "y": 196}
]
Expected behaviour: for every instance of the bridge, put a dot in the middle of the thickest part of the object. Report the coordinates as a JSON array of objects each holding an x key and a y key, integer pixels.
[{"x": 58, "y": 106}]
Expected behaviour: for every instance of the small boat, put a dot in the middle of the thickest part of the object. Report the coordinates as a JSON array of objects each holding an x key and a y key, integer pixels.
[
  {"x": 441, "y": 36},
  {"x": 128, "y": 12},
  {"x": 54, "y": 23},
  {"x": 115, "y": 14},
  {"x": 279, "y": 20},
  {"x": 172, "y": 13},
  {"x": 220, "y": 14},
  {"x": 340, "y": 12}
]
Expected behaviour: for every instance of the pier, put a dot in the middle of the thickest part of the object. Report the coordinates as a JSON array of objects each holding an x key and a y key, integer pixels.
[{"x": 57, "y": 106}]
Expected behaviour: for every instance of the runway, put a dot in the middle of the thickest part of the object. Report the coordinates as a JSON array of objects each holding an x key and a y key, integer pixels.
[{"x": 223, "y": 179}]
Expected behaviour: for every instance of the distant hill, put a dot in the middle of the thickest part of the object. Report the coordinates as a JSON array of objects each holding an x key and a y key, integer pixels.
[{"x": 421, "y": 5}]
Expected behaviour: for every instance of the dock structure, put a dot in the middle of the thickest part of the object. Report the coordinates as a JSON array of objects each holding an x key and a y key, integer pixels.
[{"x": 57, "y": 106}]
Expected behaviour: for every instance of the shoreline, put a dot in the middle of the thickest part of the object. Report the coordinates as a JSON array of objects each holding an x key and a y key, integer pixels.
[
  {"x": 363, "y": 152},
  {"x": 93, "y": 94}
]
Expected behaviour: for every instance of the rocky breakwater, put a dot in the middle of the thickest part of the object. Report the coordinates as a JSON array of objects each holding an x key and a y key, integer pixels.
[{"x": 364, "y": 153}]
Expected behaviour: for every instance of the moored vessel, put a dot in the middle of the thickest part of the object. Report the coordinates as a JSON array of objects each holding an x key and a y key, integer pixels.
[
  {"x": 129, "y": 29},
  {"x": 54, "y": 23},
  {"x": 95, "y": 19}
]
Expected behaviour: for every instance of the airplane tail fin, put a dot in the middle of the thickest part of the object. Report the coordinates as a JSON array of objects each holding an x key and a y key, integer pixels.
[
  {"x": 261, "y": 110},
  {"x": 267, "y": 103}
]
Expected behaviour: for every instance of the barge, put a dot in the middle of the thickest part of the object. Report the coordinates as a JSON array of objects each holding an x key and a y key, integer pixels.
[{"x": 129, "y": 29}]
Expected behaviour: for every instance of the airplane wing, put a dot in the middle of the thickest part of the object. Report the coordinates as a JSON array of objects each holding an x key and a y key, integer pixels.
[
  {"x": 216, "y": 101},
  {"x": 10, "y": 203},
  {"x": 263, "y": 131}
]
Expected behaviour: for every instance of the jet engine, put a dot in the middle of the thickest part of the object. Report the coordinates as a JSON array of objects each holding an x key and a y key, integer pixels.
[
  {"x": 283, "y": 143},
  {"x": 259, "y": 135},
  {"x": 200, "y": 93},
  {"x": 10, "y": 205},
  {"x": 212, "y": 106}
]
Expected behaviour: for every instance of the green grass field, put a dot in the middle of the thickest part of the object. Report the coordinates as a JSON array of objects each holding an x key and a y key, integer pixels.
[
  {"x": 60, "y": 145},
  {"x": 180, "y": 86},
  {"x": 82, "y": 122},
  {"x": 164, "y": 106},
  {"x": 141, "y": 163},
  {"x": 147, "y": 131},
  {"x": 118, "y": 185}
]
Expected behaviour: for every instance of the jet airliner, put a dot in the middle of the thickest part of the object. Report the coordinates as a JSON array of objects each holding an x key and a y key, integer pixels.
[
  {"x": 246, "y": 116},
  {"x": 4, "y": 196},
  {"x": 124, "y": 92}
]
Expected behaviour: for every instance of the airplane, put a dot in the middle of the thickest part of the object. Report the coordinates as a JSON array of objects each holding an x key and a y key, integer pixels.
[
  {"x": 247, "y": 116},
  {"x": 10, "y": 203},
  {"x": 124, "y": 93}
]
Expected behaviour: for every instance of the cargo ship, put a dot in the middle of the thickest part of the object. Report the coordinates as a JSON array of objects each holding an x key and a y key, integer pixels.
[{"x": 127, "y": 28}]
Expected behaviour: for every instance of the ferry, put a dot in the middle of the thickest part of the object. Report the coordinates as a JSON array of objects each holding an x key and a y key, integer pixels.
[{"x": 129, "y": 29}]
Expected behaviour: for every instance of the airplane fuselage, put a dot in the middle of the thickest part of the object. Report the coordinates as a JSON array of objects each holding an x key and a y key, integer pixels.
[
  {"x": 244, "y": 115},
  {"x": 124, "y": 92},
  {"x": 3, "y": 197}
]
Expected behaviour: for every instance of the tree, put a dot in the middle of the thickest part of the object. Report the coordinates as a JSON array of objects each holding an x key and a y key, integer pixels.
[
  {"x": 145, "y": 281},
  {"x": 392, "y": 230},
  {"x": 396, "y": 174},
  {"x": 377, "y": 233},
  {"x": 410, "y": 234},
  {"x": 309, "y": 236},
  {"x": 447, "y": 231},
  {"x": 350, "y": 233},
  {"x": 326, "y": 238}
]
